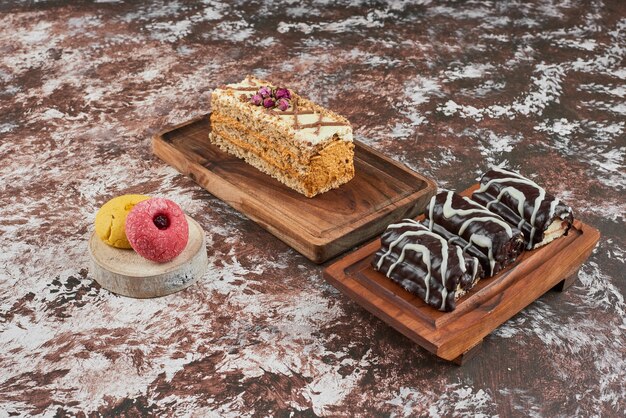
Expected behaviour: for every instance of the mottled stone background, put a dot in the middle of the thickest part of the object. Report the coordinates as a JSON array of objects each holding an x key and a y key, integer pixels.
[{"x": 445, "y": 87}]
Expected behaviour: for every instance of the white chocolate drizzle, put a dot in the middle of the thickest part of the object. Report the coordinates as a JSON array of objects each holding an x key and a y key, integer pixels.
[
  {"x": 426, "y": 256},
  {"x": 520, "y": 197},
  {"x": 480, "y": 240}
]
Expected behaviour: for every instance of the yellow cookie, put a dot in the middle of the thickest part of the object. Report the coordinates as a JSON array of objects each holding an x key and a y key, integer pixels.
[{"x": 111, "y": 219}]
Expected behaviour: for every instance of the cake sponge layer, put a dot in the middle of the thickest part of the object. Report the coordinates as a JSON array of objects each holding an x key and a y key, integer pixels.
[
  {"x": 332, "y": 167},
  {"x": 285, "y": 155}
]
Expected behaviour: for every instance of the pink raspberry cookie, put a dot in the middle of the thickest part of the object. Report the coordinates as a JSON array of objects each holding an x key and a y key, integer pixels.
[{"x": 157, "y": 229}]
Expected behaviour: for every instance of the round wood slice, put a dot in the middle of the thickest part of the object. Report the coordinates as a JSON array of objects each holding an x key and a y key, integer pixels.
[{"x": 127, "y": 273}]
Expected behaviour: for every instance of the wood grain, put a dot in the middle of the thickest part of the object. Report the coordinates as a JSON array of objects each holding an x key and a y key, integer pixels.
[
  {"x": 126, "y": 273},
  {"x": 320, "y": 228},
  {"x": 455, "y": 335}
]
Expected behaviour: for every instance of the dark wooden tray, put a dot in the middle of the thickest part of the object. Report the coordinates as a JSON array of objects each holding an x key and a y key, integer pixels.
[
  {"x": 457, "y": 335},
  {"x": 320, "y": 228}
]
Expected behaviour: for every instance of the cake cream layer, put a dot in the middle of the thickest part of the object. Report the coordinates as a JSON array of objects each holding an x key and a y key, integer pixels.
[
  {"x": 555, "y": 230},
  {"x": 322, "y": 174},
  {"x": 285, "y": 155},
  {"x": 331, "y": 158},
  {"x": 305, "y": 146}
]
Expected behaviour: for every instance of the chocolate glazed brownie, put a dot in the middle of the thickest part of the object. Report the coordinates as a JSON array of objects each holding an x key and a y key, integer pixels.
[
  {"x": 524, "y": 204},
  {"x": 517, "y": 213},
  {"x": 424, "y": 263},
  {"x": 500, "y": 242}
]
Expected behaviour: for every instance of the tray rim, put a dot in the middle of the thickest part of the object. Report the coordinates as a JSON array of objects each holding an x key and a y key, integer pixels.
[
  {"x": 329, "y": 238},
  {"x": 440, "y": 339}
]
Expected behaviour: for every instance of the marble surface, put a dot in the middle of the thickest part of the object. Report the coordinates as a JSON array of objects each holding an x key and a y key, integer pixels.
[{"x": 447, "y": 88}]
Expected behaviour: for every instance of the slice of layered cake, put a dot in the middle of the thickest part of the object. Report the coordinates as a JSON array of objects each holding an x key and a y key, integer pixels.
[{"x": 301, "y": 144}]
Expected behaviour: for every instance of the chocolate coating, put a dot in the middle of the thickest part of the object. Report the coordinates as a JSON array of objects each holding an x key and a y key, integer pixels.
[
  {"x": 522, "y": 203},
  {"x": 424, "y": 263},
  {"x": 488, "y": 232},
  {"x": 454, "y": 239}
]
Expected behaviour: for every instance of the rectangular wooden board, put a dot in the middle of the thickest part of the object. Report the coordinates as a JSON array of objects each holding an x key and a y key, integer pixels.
[
  {"x": 456, "y": 335},
  {"x": 320, "y": 228}
]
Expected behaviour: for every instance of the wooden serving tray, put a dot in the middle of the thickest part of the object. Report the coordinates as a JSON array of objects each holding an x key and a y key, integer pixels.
[
  {"x": 320, "y": 228},
  {"x": 457, "y": 335}
]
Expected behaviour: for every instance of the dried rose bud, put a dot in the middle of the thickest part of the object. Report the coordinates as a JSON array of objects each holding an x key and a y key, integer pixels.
[
  {"x": 269, "y": 102},
  {"x": 282, "y": 94},
  {"x": 283, "y": 104},
  {"x": 265, "y": 92},
  {"x": 256, "y": 99}
]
